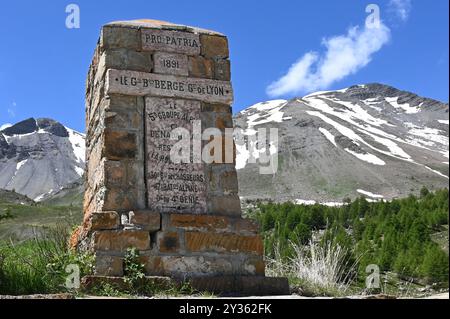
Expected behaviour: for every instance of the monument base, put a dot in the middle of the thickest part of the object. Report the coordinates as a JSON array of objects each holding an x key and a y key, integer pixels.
[{"x": 227, "y": 286}]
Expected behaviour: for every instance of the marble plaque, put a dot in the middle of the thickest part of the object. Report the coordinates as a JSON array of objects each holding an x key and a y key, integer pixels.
[{"x": 172, "y": 187}]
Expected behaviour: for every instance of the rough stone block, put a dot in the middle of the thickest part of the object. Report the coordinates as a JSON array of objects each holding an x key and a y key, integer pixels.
[
  {"x": 119, "y": 145},
  {"x": 222, "y": 70},
  {"x": 146, "y": 220},
  {"x": 229, "y": 205},
  {"x": 128, "y": 60},
  {"x": 108, "y": 266},
  {"x": 168, "y": 242},
  {"x": 216, "y": 108},
  {"x": 224, "y": 120},
  {"x": 230, "y": 243},
  {"x": 115, "y": 173},
  {"x": 229, "y": 182},
  {"x": 198, "y": 222},
  {"x": 170, "y": 41},
  {"x": 182, "y": 266},
  {"x": 170, "y": 63},
  {"x": 105, "y": 221},
  {"x": 200, "y": 67},
  {"x": 247, "y": 226},
  {"x": 119, "y": 37},
  {"x": 123, "y": 120},
  {"x": 214, "y": 46},
  {"x": 121, "y": 102},
  {"x": 121, "y": 240},
  {"x": 118, "y": 198}
]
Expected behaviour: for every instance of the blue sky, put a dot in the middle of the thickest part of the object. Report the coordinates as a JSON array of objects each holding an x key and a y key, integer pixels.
[{"x": 43, "y": 64}]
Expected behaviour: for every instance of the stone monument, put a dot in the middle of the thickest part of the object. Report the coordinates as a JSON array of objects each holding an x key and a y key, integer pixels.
[{"x": 147, "y": 78}]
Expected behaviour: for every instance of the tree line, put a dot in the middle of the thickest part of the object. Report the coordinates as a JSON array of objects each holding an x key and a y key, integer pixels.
[{"x": 395, "y": 235}]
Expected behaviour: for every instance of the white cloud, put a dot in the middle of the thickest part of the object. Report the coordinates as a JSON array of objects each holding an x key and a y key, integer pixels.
[
  {"x": 5, "y": 126},
  {"x": 11, "y": 112},
  {"x": 401, "y": 8},
  {"x": 345, "y": 55}
]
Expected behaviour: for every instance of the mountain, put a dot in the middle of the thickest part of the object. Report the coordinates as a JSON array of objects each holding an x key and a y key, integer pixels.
[
  {"x": 69, "y": 195},
  {"x": 38, "y": 157},
  {"x": 372, "y": 140},
  {"x": 14, "y": 198}
]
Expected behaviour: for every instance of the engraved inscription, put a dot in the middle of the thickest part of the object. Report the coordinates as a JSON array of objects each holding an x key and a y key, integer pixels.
[
  {"x": 170, "y": 41},
  {"x": 144, "y": 84},
  {"x": 172, "y": 187},
  {"x": 170, "y": 63}
]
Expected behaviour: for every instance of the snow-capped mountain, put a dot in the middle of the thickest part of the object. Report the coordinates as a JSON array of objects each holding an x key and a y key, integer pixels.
[
  {"x": 371, "y": 140},
  {"x": 38, "y": 157}
]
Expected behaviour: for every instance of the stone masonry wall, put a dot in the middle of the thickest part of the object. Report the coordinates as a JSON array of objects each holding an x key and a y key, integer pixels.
[{"x": 117, "y": 211}]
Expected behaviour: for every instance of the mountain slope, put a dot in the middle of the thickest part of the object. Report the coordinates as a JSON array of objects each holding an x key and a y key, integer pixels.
[
  {"x": 39, "y": 157},
  {"x": 14, "y": 198},
  {"x": 371, "y": 140}
]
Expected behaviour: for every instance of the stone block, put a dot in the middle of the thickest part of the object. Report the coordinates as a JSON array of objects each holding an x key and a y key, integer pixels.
[
  {"x": 146, "y": 220},
  {"x": 185, "y": 266},
  {"x": 229, "y": 205},
  {"x": 216, "y": 108},
  {"x": 119, "y": 198},
  {"x": 170, "y": 41},
  {"x": 222, "y": 70},
  {"x": 246, "y": 226},
  {"x": 121, "y": 240},
  {"x": 214, "y": 46},
  {"x": 170, "y": 63},
  {"x": 115, "y": 173},
  {"x": 128, "y": 60},
  {"x": 168, "y": 242},
  {"x": 105, "y": 220},
  {"x": 200, "y": 67},
  {"x": 224, "y": 120},
  {"x": 117, "y": 102},
  {"x": 119, "y": 145},
  {"x": 113, "y": 37},
  {"x": 223, "y": 243},
  {"x": 108, "y": 266},
  {"x": 229, "y": 182},
  {"x": 123, "y": 120},
  {"x": 198, "y": 222}
]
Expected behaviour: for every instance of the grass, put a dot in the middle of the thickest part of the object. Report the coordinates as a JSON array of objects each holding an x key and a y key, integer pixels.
[
  {"x": 27, "y": 221},
  {"x": 315, "y": 270},
  {"x": 38, "y": 266}
]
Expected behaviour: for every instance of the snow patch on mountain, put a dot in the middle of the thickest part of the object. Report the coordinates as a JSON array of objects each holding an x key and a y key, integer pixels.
[
  {"x": 78, "y": 144},
  {"x": 328, "y": 135},
  {"x": 406, "y": 107},
  {"x": 370, "y": 194},
  {"x": 20, "y": 164},
  {"x": 367, "y": 157}
]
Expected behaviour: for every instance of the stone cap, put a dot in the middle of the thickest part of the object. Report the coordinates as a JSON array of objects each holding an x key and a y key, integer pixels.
[{"x": 162, "y": 25}]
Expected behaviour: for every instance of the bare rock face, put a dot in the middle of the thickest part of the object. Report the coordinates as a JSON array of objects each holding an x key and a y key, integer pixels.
[
  {"x": 371, "y": 140},
  {"x": 40, "y": 157}
]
